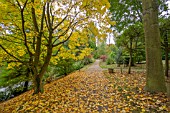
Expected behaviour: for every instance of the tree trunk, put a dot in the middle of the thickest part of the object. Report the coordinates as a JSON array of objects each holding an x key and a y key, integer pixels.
[
  {"x": 27, "y": 81},
  {"x": 25, "y": 86},
  {"x": 130, "y": 60},
  {"x": 166, "y": 55},
  {"x": 155, "y": 79},
  {"x": 38, "y": 86},
  {"x": 38, "y": 77}
]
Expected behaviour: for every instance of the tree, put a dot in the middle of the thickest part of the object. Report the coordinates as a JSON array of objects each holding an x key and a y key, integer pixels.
[
  {"x": 155, "y": 80},
  {"x": 132, "y": 41},
  {"x": 34, "y": 32},
  {"x": 164, "y": 30},
  {"x": 125, "y": 13},
  {"x": 128, "y": 12}
]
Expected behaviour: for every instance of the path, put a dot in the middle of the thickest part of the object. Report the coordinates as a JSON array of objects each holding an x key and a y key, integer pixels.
[
  {"x": 98, "y": 96},
  {"x": 94, "y": 67}
]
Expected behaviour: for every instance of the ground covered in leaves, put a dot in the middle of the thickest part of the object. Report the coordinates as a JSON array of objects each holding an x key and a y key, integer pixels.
[{"x": 91, "y": 91}]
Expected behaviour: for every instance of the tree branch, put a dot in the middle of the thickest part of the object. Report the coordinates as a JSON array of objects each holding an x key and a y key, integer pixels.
[
  {"x": 34, "y": 17},
  {"x": 23, "y": 29},
  {"x": 11, "y": 54}
]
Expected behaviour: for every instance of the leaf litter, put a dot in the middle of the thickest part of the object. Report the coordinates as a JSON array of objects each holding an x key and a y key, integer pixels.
[{"x": 95, "y": 91}]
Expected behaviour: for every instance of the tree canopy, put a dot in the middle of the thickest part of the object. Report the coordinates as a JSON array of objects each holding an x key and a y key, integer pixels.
[{"x": 33, "y": 32}]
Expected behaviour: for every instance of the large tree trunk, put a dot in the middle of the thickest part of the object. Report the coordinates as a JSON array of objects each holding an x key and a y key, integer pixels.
[
  {"x": 155, "y": 79},
  {"x": 38, "y": 86}
]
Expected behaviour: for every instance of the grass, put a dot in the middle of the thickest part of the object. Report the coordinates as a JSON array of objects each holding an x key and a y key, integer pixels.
[{"x": 137, "y": 67}]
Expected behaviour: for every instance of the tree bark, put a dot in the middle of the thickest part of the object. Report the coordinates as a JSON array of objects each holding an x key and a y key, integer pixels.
[
  {"x": 38, "y": 78},
  {"x": 25, "y": 86},
  {"x": 166, "y": 55},
  {"x": 130, "y": 54},
  {"x": 27, "y": 81},
  {"x": 155, "y": 79},
  {"x": 38, "y": 86}
]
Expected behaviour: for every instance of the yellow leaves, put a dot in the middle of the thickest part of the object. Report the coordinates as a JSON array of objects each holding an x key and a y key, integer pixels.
[
  {"x": 39, "y": 11},
  {"x": 107, "y": 4},
  {"x": 1, "y": 28},
  {"x": 84, "y": 3},
  {"x": 112, "y": 23},
  {"x": 94, "y": 29},
  {"x": 143, "y": 110},
  {"x": 12, "y": 65},
  {"x": 21, "y": 52},
  {"x": 163, "y": 108},
  {"x": 104, "y": 36}
]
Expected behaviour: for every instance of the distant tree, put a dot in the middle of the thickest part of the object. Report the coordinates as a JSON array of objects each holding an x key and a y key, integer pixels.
[
  {"x": 165, "y": 36},
  {"x": 131, "y": 40}
]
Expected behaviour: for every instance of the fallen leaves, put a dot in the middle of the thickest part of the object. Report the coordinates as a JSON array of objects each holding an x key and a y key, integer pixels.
[
  {"x": 129, "y": 89},
  {"x": 93, "y": 92}
]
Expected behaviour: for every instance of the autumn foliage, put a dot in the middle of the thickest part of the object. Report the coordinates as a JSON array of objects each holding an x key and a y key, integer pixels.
[{"x": 36, "y": 33}]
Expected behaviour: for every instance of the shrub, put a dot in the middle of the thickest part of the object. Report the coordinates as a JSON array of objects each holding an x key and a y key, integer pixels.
[
  {"x": 109, "y": 61},
  {"x": 96, "y": 55},
  {"x": 103, "y": 57},
  {"x": 87, "y": 60},
  {"x": 78, "y": 65},
  {"x": 64, "y": 66}
]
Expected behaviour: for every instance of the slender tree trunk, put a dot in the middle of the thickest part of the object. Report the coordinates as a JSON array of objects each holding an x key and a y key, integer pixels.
[
  {"x": 130, "y": 60},
  {"x": 27, "y": 81},
  {"x": 25, "y": 86},
  {"x": 155, "y": 79},
  {"x": 166, "y": 55}
]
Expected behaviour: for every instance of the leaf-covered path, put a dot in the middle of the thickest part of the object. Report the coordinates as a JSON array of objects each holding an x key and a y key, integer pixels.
[{"x": 90, "y": 91}]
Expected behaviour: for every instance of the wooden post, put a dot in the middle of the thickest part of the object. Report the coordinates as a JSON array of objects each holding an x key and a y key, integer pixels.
[{"x": 111, "y": 70}]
